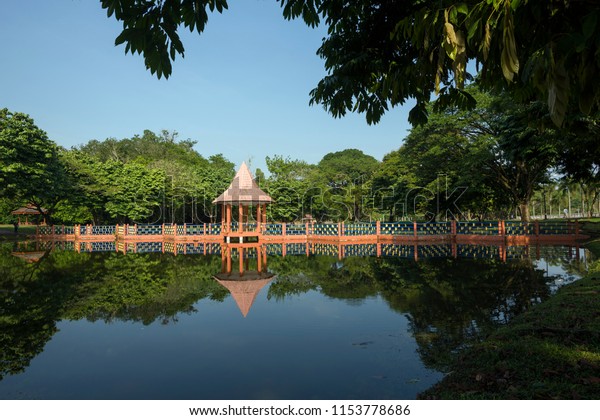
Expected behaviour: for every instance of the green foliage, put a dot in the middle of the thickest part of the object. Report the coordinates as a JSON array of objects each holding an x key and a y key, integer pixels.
[
  {"x": 379, "y": 54},
  {"x": 287, "y": 185},
  {"x": 344, "y": 179},
  {"x": 485, "y": 161},
  {"x": 149, "y": 178},
  {"x": 30, "y": 169},
  {"x": 150, "y": 27}
]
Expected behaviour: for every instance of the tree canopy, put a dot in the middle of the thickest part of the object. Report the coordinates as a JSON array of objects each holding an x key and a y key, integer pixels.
[
  {"x": 380, "y": 53},
  {"x": 30, "y": 170}
]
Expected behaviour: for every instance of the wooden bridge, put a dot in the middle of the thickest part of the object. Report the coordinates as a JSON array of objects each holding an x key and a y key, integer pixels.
[{"x": 465, "y": 232}]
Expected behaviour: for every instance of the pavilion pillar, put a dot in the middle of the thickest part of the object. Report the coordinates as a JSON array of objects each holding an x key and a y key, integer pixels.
[
  {"x": 228, "y": 217},
  {"x": 264, "y": 213},
  {"x": 241, "y": 218},
  {"x": 258, "y": 218},
  {"x": 228, "y": 251}
]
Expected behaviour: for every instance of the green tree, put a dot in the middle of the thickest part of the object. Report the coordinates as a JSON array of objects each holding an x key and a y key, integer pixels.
[
  {"x": 287, "y": 185},
  {"x": 190, "y": 182},
  {"x": 492, "y": 157},
  {"x": 344, "y": 177},
  {"x": 30, "y": 168}
]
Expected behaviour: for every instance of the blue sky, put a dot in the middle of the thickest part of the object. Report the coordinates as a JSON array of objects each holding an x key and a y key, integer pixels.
[{"x": 241, "y": 90}]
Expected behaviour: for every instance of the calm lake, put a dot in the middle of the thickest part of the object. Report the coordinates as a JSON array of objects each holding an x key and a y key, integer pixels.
[{"x": 93, "y": 323}]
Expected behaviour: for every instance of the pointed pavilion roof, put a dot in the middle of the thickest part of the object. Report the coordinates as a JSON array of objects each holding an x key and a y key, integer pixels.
[
  {"x": 243, "y": 190},
  {"x": 244, "y": 292}
]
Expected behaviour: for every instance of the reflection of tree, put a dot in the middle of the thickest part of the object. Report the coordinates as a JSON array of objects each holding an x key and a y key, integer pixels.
[
  {"x": 30, "y": 304},
  {"x": 146, "y": 287},
  {"x": 93, "y": 286},
  {"x": 449, "y": 303},
  {"x": 351, "y": 278},
  {"x": 452, "y": 302}
]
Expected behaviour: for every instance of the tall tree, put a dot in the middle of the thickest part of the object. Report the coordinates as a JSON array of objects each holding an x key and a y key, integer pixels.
[
  {"x": 287, "y": 185},
  {"x": 498, "y": 154},
  {"x": 30, "y": 169},
  {"x": 344, "y": 177}
]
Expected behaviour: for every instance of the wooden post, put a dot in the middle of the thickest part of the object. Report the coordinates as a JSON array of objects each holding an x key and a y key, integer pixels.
[
  {"x": 241, "y": 257},
  {"x": 228, "y": 218},
  {"x": 174, "y": 229},
  {"x": 415, "y": 234},
  {"x": 228, "y": 250},
  {"x": 537, "y": 228},
  {"x": 283, "y": 229},
  {"x": 258, "y": 218},
  {"x": 341, "y": 229},
  {"x": 240, "y": 218},
  {"x": 378, "y": 230},
  {"x": 502, "y": 251},
  {"x": 577, "y": 228}
]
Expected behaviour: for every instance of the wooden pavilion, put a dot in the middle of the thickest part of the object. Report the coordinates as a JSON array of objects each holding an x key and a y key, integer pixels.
[
  {"x": 243, "y": 192},
  {"x": 27, "y": 211}
]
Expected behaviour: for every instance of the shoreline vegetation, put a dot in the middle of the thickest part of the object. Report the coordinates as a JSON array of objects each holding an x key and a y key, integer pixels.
[{"x": 550, "y": 352}]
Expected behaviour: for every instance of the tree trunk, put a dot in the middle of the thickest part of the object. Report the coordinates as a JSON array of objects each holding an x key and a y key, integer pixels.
[{"x": 524, "y": 208}]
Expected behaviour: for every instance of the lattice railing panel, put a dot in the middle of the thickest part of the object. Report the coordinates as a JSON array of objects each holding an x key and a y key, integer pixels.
[
  {"x": 435, "y": 251},
  {"x": 434, "y": 228},
  {"x": 360, "y": 250},
  {"x": 325, "y": 249},
  {"x": 359, "y": 229},
  {"x": 397, "y": 228},
  {"x": 295, "y": 249},
  {"x": 476, "y": 251},
  {"x": 325, "y": 229},
  {"x": 402, "y": 251},
  {"x": 142, "y": 247}
]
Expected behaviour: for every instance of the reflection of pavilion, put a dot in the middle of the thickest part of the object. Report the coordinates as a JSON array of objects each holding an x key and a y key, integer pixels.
[
  {"x": 245, "y": 283},
  {"x": 24, "y": 251}
]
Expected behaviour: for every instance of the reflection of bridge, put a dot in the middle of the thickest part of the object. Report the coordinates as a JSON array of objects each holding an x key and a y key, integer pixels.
[{"x": 339, "y": 249}]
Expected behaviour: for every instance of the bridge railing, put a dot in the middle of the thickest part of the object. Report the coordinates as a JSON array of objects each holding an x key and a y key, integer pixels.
[{"x": 480, "y": 228}]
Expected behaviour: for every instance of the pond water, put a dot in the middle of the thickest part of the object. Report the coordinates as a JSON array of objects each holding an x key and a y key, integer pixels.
[{"x": 113, "y": 325}]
